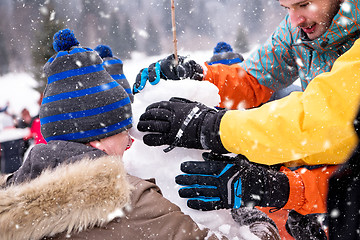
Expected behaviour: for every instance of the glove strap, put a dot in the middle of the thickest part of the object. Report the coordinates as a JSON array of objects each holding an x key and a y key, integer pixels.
[
  {"x": 209, "y": 136},
  {"x": 157, "y": 71},
  {"x": 193, "y": 113},
  {"x": 237, "y": 192},
  {"x": 144, "y": 77}
]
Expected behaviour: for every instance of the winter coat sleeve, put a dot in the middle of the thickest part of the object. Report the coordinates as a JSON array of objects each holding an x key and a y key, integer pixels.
[
  {"x": 314, "y": 126},
  {"x": 149, "y": 216},
  {"x": 308, "y": 189},
  {"x": 154, "y": 217},
  {"x": 274, "y": 64},
  {"x": 252, "y": 82},
  {"x": 237, "y": 88}
]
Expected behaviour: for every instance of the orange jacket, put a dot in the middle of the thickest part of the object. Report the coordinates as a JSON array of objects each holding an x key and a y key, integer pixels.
[
  {"x": 308, "y": 189},
  {"x": 237, "y": 93}
]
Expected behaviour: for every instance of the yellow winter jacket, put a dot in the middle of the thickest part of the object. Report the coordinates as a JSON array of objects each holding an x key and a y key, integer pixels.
[{"x": 311, "y": 127}]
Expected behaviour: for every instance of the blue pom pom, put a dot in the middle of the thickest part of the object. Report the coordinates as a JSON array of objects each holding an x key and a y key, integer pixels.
[
  {"x": 104, "y": 51},
  {"x": 222, "y": 47},
  {"x": 64, "y": 40}
]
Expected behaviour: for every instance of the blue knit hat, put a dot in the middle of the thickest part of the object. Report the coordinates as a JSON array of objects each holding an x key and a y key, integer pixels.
[
  {"x": 222, "y": 47},
  {"x": 82, "y": 102},
  {"x": 104, "y": 51},
  {"x": 114, "y": 66},
  {"x": 223, "y": 54}
]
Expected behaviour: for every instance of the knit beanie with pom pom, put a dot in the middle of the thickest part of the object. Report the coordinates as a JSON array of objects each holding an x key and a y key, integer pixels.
[
  {"x": 223, "y": 54},
  {"x": 114, "y": 66},
  {"x": 82, "y": 102},
  {"x": 222, "y": 47}
]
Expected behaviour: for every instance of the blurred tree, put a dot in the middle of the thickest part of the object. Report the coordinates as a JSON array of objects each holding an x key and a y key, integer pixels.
[
  {"x": 114, "y": 35},
  {"x": 43, "y": 48},
  {"x": 121, "y": 39},
  {"x": 183, "y": 16},
  {"x": 128, "y": 38},
  {"x": 152, "y": 44},
  {"x": 22, "y": 24},
  {"x": 201, "y": 20},
  {"x": 93, "y": 21},
  {"x": 166, "y": 17},
  {"x": 4, "y": 59},
  {"x": 5, "y": 36},
  {"x": 241, "y": 43},
  {"x": 252, "y": 17}
]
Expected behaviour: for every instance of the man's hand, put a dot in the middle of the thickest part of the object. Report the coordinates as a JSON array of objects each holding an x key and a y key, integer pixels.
[
  {"x": 227, "y": 182},
  {"x": 182, "y": 123},
  {"x": 167, "y": 69}
]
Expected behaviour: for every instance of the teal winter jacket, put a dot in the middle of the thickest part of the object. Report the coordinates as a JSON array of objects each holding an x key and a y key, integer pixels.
[{"x": 290, "y": 55}]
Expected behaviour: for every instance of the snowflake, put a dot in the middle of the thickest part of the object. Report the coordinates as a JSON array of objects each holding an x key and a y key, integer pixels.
[
  {"x": 335, "y": 213},
  {"x": 344, "y": 21},
  {"x": 78, "y": 63},
  {"x": 346, "y": 7}
]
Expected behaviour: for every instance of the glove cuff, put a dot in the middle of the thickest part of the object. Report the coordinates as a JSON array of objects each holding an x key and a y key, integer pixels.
[
  {"x": 210, "y": 134},
  {"x": 279, "y": 188}
]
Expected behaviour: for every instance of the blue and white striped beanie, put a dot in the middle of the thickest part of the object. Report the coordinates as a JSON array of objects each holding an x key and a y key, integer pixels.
[
  {"x": 114, "y": 66},
  {"x": 82, "y": 102}
]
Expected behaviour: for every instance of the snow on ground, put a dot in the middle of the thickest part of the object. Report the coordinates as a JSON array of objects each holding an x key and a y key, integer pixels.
[
  {"x": 17, "y": 89},
  {"x": 17, "y": 92},
  {"x": 141, "y": 160}
]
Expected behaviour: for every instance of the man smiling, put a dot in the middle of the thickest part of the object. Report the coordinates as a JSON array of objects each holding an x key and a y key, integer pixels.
[{"x": 312, "y": 17}]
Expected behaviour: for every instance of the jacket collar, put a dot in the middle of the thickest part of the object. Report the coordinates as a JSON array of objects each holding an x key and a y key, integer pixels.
[
  {"x": 48, "y": 156},
  {"x": 69, "y": 198}
]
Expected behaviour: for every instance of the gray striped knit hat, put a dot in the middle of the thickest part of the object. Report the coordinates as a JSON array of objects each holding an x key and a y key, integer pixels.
[
  {"x": 82, "y": 102},
  {"x": 114, "y": 66}
]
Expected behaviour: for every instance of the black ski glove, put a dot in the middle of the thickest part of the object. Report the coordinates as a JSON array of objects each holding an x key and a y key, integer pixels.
[
  {"x": 305, "y": 226},
  {"x": 182, "y": 123},
  {"x": 168, "y": 70},
  {"x": 227, "y": 182}
]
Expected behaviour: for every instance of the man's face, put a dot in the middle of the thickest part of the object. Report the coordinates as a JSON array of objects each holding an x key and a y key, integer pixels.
[{"x": 314, "y": 17}]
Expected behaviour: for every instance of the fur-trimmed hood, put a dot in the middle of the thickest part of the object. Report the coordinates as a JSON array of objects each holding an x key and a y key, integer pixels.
[{"x": 68, "y": 198}]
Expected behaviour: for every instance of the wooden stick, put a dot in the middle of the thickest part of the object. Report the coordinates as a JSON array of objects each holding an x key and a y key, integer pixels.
[{"x": 174, "y": 31}]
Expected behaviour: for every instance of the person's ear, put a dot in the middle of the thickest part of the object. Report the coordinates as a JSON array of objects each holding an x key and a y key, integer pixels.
[{"x": 97, "y": 144}]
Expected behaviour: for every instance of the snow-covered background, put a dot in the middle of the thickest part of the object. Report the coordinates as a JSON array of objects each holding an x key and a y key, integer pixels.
[{"x": 141, "y": 160}]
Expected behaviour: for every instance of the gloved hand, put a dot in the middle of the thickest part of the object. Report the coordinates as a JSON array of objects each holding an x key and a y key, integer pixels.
[
  {"x": 227, "y": 182},
  {"x": 182, "y": 123},
  {"x": 258, "y": 222},
  {"x": 305, "y": 226},
  {"x": 168, "y": 70}
]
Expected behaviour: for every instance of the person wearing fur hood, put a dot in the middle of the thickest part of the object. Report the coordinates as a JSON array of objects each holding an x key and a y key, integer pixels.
[{"x": 76, "y": 187}]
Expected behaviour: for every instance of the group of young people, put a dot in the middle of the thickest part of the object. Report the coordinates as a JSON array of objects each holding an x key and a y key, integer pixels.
[
  {"x": 75, "y": 186},
  {"x": 303, "y": 137}
]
